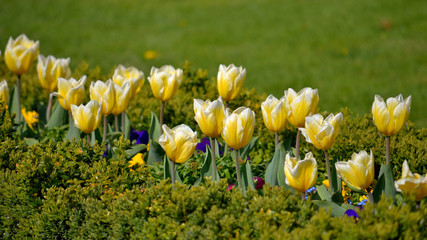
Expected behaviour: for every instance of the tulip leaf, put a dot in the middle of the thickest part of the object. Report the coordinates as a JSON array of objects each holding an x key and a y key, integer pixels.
[
  {"x": 271, "y": 174},
  {"x": 336, "y": 182},
  {"x": 13, "y": 103},
  {"x": 336, "y": 210},
  {"x": 206, "y": 170},
  {"x": 135, "y": 149},
  {"x": 73, "y": 132},
  {"x": 281, "y": 177},
  {"x": 323, "y": 192},
  {"x": 155, "y": 153},
  {"x": 248, "y": 148},
  {"x": 127, "y": 126},
  {"x": 155, "y": 128},
  {"x": 31, "y": 141},
  {"x": 246, "y": 176},
  {"x": 96, "y": 136},
  {"x": 58, "y": 116},
  {"x": 168, "y": 170},
  {"x": 337, "y": 197},
  {"x": 385, "y": 183}
]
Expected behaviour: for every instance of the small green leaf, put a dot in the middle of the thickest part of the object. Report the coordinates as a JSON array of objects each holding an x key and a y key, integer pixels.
[
  {"x": 31, "y": 141},
  {"x": 135, "y": 149}
]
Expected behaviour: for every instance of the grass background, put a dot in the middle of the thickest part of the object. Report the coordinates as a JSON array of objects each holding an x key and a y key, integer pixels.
[{"x": 350, "y": 50}]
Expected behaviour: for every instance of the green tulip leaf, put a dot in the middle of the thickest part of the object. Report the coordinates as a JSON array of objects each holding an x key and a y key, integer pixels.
[
  {"x": 281, "y": 177},
  {"x": 155, "y": 128},
  {"x": 127, "y": 126},
  {"x": 168, "y": 170},
  {"x": 13, "y": 103},
  {"x": 336, "y": 181},
  {"x": 385, "y": 183},
  {"x": 155, "y": 153},
  {"x": 31, "y": 141},
  {"x": 73, "y": 132},
  {"x": 271, "y": 173},
  {"x": 336, "y": 210},
  {"x": 96, "y": 136},
  {"x": 206, "y": 170},
  {"x": 58, "y": 117},
  {"x": 324, "y": 193},
  {"x": 337, "y": 197},
  {"x": 246, "y": 176},
  {"x": 248, "y": 148},
  {"x": 135, "y": 149}
]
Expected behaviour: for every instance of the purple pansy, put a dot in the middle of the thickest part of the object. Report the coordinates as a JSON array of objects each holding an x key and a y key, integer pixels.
[
  {"x": 352, "y": 213},
  {"x": 141, "y": 137},
  {"x": 206, "y": 142},
  {"x": 259, "y": 182}
]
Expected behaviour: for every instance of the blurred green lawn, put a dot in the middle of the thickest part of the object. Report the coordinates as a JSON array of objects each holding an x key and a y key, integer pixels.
[{"x": 350, "y": 50}]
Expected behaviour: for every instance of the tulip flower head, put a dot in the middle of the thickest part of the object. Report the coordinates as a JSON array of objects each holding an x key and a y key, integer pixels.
[
  {"x": 301, "y": 174},
  {"x": 412, "y": 183},
  {"x": 132, "y": 75},
  {"x": 105, "y": 94},
  {"x": 49, "y": 69},
  {"x": 4, "y": 92},
  {"x": 239, "y": 127},
  {"x": 300, "y": 105},
  {"x": 87, "y": 118},
  {"x": 123, "y": 96},
  {"x": 165, "y": 81},
  {"x": 230, "y": 81},
  {"x": 20, "y": 53},
  {"x": 357, "y": 173},
  {"x": 210, "y": 116},
  {"x": 274, "y": 113},
  {"x": 322, "y": 133},
  {"x": 71, "y": 92},
  {"x": 31, "y": 117},
  {"x": 391, "y": 116},
  {"x": 179, "y": 142}
]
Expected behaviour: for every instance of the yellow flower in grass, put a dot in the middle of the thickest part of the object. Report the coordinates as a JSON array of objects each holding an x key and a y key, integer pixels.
[
  {"x": 274, "y": 113},
  {"x": 239, "y": 128},
  {"x": 49, "y": 69},
  {"x": 412, "y": 183},
  {"x": 4, "y": 92},
  {"x": 301, "y": 174},
  {"x": 300, "y": 105},
  {"x": 87, "y": 118},
  {"x": 150, "y": 55},
  {"x": 165, "y": 81},
  {"x": 70, "y": 92},
  {"x": 105, "y": 94},
  {"x": 31, "y": 117},
  {"x": 230, "y": 81},
  {"x": 135, "y": 77},
  {"x": 210, "y": 116},
  {"x": 179, "y": 142},
  {"x": 321, "y": 133},
  {"x": 20, "y": 53},
  {"x": 137, "y": 159},
  {"x": 391, "y": 116},
  {"x": 357, "y": 173}
]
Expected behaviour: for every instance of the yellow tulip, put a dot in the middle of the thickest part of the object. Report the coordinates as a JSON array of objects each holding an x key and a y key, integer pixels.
[
  {"x": 165, "y": 82},
  {"x": 301, "y": 174},
  {"x": 300, "y": 105},
  {"x": 87, "y": 118},
  {"x": 357, "y": 173},
  {"x": 4, "y": 92},
  {"x": 123, "y": 96},
  {"x": 239, "y": 127},
  {"x": 230, "y": 81},
  {"x": 391, "y": 116},
  {"x": 71, "y": 92},
  {"x": 179, "y": 142},
  {"x": 210, "y": 116},
  {"x": 50, "y": 69},
  {"x": 132, "y": 75},
  {"x": 412, "y": 183},
  {"x": 31, "y": 117},
  {"x": 20, "y": 53},
  {"x": 274, "y": 113},
  {"x": 105, "y": 94},
  {"x": 322, "y": 133}
]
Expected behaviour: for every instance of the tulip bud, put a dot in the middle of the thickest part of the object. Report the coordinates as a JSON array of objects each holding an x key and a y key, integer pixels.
[
  {"x": 71, "y": 92},
  {"x": 391, "y": 116},
  {"x": 123, "y": 96},
  {"x": 210, "y": 116},
  {"x": 50, "y": 69},
  {"x": 230, "y": 81},
  {"x": 357, "y": 173},
  {"x": 132, "y": 75},
  {"x": 104, "y": 94},
  {"x": 300, "y": 105},
  {"x": 20, "y": 53},
  {"x": 274, "y": 113},
  {"x": 321, "y": 133},
  {"x": 179, "y": 143},
  {"x": 301, "y": 174},
  {"x": 31, "y": 117},
  {"x": 239, "y": 127},
  {"x": 165, "y": 81},
  {"x": 87, "y": 118},
  {"x": 4, "y": 92},
  {"x": 411, "y": 183}
]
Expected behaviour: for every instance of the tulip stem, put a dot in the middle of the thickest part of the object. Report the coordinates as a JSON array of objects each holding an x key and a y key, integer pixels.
[
  {"x": 213, "y": 159},
  {"x": 370, "y": 197},
  {"x": 303, "y": 196},
  {"x": 49, "y": 107},
  {"x": 123, "y": 122},
  {"x": 162, "y": 109},
  {"x": 88, "y": 138},
  {"x": 173, "y": 176},
  {"x": 387, "y": 148},
  {"x": 276, "y": 136},
  {"x": 18, "y": 92},
  {"x": 116, "y": 122},
  {"x": 297, "y": 144},
  {"x": 239, "y": 181},
  {"x": 328, "y": 168},
  {"x": 104, "y": 136}
]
